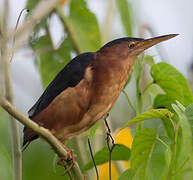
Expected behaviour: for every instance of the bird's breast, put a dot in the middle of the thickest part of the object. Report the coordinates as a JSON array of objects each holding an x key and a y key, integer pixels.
[{"x": 107, "y": 86}]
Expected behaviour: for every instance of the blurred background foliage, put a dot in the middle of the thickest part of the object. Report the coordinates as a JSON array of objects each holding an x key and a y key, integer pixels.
[{"x": 81, "y": 32}]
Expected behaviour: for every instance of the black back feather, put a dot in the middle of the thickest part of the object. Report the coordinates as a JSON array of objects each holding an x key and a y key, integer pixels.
[{"x": 69, "y": 76}]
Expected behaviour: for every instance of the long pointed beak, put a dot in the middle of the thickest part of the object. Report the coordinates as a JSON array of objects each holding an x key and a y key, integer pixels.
[{"x": 147, "y": 43}]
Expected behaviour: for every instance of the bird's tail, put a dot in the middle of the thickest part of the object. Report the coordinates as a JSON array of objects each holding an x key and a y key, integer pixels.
[{"x": 29, "y": 136}]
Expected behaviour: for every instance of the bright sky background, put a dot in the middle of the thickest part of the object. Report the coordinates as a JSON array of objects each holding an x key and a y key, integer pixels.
[{"x": 165, "y": 16}]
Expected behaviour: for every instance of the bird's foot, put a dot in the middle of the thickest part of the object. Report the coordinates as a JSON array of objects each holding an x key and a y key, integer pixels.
[{"x": 69, "y": 160}]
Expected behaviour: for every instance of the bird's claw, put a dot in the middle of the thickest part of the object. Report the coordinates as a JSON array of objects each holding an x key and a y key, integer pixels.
[{"x": 69, "y": 160}]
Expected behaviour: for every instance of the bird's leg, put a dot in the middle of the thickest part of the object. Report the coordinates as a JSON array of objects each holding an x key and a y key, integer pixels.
[
  {"x": 109, "y": 137},
  {"x": 108, "y": 130},
  {"x": 69, "y": 159}
]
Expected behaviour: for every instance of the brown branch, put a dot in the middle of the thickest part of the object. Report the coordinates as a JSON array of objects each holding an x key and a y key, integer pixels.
[
  {"x": 44, "y": 133},
  {"x": 92, "y": 156},
  {"x": 41, "y": 131}
]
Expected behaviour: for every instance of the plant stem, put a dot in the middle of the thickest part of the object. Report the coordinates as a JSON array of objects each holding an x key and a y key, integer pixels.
[
  {"x": 68, "y": 29},
  {"x": 129, "y": 101},
  {"x": 139, "y": 103},
  {"x": 162, "y": 142},
  {"x": 182, "y": 166},
  {"x": 15, "y": 140},
  {"x": 172, "y": 162},
  {"x": 147, "y": 87},
  {"x": 139, "y": 98}
]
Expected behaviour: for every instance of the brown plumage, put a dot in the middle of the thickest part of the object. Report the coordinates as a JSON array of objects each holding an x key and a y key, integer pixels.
[{"x": 86, "y": 89}]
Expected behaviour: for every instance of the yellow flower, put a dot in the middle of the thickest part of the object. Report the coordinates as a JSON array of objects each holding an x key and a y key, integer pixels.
[
  {"x": 123, "y": 137},
  {"x": 62, "y": 2}
]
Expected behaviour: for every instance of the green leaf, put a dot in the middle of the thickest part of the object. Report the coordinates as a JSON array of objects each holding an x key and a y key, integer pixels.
[
  {"x": 51, "y": 60},
  {"x": 84, "y": 26},
  {"x": 31, "y": 4},
  {"x": 120, "y": 152},
  {"x": 158, "y": 162},
  {"x": 186, "y": 131},
  {"x": 168, "y": 127},
  {"x": 93, "y": 129},
  {"x": 124, "y": 8},
  {"x": 138, "y": 68},
  {"x": 127, "y": 174},
  {"x": 141, "y": 151},
  {"x": 151, "y": 114},
  {"x": 173, "y": 83},
  {"x": 163, "y": 101},
  {"x": 189, "y": 115},
  {"x": 149, "y": 60}
]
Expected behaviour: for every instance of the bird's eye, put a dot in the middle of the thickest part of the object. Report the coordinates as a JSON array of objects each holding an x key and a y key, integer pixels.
[{"x": 131, "y": 45}]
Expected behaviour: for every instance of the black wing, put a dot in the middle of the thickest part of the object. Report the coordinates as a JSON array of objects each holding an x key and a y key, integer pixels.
[{"x": 70, "y": 76}]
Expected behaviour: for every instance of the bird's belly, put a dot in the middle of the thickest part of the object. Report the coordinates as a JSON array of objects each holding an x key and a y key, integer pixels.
[
  {"x": 100, "y": 105},
  {"x": 96, "y": 111}
]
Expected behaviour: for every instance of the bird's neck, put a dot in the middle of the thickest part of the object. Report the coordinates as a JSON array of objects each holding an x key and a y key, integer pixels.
[
  {"x": 110, "y": 72},
  {"x": 113, "y": 68}
]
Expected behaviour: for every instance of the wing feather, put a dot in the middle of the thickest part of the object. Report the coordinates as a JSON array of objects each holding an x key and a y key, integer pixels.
[{"x": 70, "y": 76}]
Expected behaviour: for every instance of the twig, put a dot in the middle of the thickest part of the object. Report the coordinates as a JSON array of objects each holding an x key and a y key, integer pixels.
[
  {"x": 44, "y": 133},
  {"x": 23, "y": 32},
  {"x": 92, "y": 156},
  {"x": 17, "y": 23},
  {"x": 15, "y": 140},
  {"x": 67, "y": 173},
  {"x": 68, "y": 29}
]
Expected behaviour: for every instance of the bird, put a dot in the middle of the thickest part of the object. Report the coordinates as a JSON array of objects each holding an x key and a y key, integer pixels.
[{"x": 85, "y": 90}]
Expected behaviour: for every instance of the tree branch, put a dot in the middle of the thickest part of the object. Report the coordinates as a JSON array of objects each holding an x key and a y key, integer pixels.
[{"x": 41, "y": 131}]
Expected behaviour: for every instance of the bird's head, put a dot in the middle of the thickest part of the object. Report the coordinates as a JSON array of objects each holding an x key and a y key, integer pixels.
[{"x": 131, "y": 47}]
